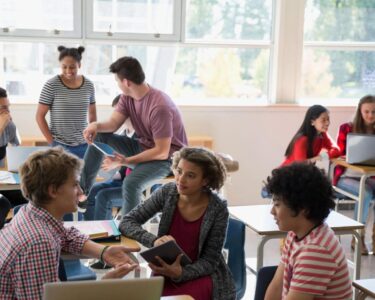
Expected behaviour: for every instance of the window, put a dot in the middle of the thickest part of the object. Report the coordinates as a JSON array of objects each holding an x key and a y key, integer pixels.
[
  {"x": 40, "y": 18},
  {"x": 338, "y": 64}
]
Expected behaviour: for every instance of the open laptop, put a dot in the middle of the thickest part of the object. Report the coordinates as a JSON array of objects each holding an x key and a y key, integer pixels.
[
  {"x": 360, "y": 149},
  {"x": 131, "y": 289},
  {"x": 16, "y": 156}
]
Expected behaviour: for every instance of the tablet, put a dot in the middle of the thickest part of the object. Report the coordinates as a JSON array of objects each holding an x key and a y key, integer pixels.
[
  {"x": 167, "y": 252},
  {"x": 104, "y": 148}
]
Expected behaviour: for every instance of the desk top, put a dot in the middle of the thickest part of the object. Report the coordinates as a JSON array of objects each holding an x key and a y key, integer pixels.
[
  {"x": 127, "y": 242},
  {"x": 366, "y": 285},
  {"x": 359, "y": 168},
  {"x": 260, "y": 220}
]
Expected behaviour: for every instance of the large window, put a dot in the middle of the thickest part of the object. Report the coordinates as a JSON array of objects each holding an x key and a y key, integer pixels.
[{"x": 339, "y": 52}]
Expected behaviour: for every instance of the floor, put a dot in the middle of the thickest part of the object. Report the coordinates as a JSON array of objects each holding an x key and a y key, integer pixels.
[{"x": 272, "y": 256}]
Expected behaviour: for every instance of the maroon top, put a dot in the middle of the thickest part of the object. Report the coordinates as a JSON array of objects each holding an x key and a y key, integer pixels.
[{"x": 186, "y": 235}]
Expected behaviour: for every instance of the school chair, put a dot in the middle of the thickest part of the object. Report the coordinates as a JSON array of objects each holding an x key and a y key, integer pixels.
[
  {"x": 264, "y": 278},
  {"x": 234, "y": 243}
]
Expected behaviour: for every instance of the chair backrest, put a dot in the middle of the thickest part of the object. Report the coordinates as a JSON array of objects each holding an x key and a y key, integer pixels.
[
  {"x": 235, "y": 242},
  {"x": 264, "y": 278}
]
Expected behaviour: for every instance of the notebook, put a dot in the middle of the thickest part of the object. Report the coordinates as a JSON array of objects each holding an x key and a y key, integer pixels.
[
  {"x": 360, "y": 149},
  {"x": 16, "y": 156},
  {"x": 134, "y": 289},
  {"x": 97, "y": 230}
]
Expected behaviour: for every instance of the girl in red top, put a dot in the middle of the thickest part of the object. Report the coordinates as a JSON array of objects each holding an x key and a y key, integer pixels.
[
  {"x": 363, "y": 122},
  {"x": 311, "y": 138}
]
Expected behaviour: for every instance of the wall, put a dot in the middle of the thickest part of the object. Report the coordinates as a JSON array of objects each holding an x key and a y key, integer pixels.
[{"x": 255, "y": 136}]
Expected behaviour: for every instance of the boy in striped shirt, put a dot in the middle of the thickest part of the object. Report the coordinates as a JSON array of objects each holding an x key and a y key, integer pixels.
[{"x": 313, "y": 263}]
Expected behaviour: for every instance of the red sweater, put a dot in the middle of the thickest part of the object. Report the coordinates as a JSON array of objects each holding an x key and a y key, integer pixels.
[{"x": 323, "y": 141}]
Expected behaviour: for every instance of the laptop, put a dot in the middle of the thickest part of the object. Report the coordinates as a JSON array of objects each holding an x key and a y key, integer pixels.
[
  {"x": 130, "y": 289},
  {"x": 360, "y": 149},
  {"x": 16, "y": 156}
]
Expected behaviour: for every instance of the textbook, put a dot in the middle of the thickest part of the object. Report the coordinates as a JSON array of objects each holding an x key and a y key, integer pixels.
[{"x": 105, "y": 230}]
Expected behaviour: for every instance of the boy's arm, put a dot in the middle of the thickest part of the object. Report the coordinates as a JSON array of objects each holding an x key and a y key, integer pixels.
[
  {"x": 293, "y": 295},
  {"x": 275, "y": 288}
]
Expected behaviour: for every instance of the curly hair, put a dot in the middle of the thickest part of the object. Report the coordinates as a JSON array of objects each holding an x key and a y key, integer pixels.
[
  {"x": 45, "y": 168},
  {"x": 303, "y": 186},
  {"x": 212, "y": 166}
]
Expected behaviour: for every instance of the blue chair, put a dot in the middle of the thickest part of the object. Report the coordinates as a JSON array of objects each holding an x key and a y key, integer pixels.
[
  {"x": 235, "y": 242},
  {"x": 264, "y": 278},
  {"x": 72, "y": 269}
]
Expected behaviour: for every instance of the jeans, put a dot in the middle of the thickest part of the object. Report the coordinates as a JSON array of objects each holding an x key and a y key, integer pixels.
[
  {"x": 351, "y": 185},
  {"x": 102, "y": 197},
  {"x": 78, "y": 151},
  {"x": 143, "y": 174}
]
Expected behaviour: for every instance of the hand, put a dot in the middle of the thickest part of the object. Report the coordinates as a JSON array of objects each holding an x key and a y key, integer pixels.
[
  {"x": 173, "y": 271},
  {"x": 163, "y": 239},
  {"x": 118, "y": 255},
  {"x": 120, "y": 271},
  {"x": 314, "y": 159},
  {"x": 90, "y": 132},
  {"x": 5, "y": 118},
  {"x": 110, "y": 163}
]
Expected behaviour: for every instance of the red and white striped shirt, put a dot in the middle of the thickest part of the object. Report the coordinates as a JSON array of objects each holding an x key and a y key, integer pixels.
[
  {"x": 316, "y": 265},
  {"x": 30, "y": 249}
]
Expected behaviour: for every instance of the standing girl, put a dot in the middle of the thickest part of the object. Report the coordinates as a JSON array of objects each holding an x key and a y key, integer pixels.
[
  {"x": 347, "y": 180},
  {"x": 311, "y": 138},
  {"x": 70, "y": 98}
]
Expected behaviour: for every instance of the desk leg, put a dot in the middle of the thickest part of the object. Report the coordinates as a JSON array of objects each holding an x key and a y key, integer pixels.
[
  {"x": 361, "y": 196},
  {"x": 260, "y": 249},
  {"x": 357, "y": 254}
]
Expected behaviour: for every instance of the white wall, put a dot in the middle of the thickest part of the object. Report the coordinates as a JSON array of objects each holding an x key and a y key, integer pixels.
[{"x": 255, "y": 136}]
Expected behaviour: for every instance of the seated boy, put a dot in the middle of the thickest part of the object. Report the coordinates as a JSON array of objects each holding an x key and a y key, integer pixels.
[
  {"x": 313, "y": 264},
  {"x": 31, "y": 243}
]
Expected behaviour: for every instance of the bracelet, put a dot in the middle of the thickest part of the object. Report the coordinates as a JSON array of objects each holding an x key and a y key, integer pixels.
[{"x": 101, "y": 255}]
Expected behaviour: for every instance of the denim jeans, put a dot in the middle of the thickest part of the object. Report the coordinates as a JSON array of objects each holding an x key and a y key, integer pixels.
[
  {"x": 143, "y": 174},
  {"x": 102, "y": 197},
  {"x": 78, "y": 151},
  {"x": 351, "y": 185}
]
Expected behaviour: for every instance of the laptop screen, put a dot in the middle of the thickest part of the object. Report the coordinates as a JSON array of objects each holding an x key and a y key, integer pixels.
[{"x": 360, "y": 149}]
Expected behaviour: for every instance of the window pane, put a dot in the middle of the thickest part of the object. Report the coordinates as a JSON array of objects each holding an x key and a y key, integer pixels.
[
  {"x": 37, "y": 14},
  {"x": 331, "y": 74},
  {"x": 229, "y": 19},
  {"x": 134, "y": 16},
  {"x": 344, "y": 20}
]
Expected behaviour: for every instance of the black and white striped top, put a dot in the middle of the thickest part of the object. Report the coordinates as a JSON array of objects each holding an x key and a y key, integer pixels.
[{"x": 68, "y": 109}]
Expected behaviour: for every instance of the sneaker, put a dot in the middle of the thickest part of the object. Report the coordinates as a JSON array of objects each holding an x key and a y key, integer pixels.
[
  {"x": 99, "y": 266},
  {"x": 82, "y": 204}
]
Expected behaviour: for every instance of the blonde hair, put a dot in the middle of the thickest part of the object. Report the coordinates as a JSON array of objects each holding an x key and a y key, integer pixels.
[
  {"x": 212, "y": 166},
  {"x": 45, "y": 168}
]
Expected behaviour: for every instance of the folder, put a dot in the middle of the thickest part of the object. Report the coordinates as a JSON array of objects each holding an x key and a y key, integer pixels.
[{"x": 100, "y": 231}]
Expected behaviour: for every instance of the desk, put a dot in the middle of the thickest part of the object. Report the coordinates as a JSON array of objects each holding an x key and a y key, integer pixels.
[
  {"x": 365, "y": 171},
  {"x": 259, "y": 219},
  {"x": 366, "y": 288}
]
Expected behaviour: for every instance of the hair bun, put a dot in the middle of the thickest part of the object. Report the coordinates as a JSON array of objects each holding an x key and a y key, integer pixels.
[
  {"x": 80, "y": 49},
  {"x": 61, "y": 48}
]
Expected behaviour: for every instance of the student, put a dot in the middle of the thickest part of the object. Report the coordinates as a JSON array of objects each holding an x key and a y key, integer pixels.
[
  {"x": 31, "y": 243},
  {"x": 159, "y": 132},
  {"x": 8, "y": 135},
  {"x": 348, "y": 180},
  {"x": 196, "y": 218},
  {"x": 311, "y": 138},
  {"x": 69, "y": 97},
  {"x": 313, "y": 264}
]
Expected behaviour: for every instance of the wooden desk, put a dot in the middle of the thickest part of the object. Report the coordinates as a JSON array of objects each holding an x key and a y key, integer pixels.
[
  {"x": 365, "y": 171},
  {"x": 259, "y": 219},
  {"x": 182, "y": 297},
  {"x": 366, "y": 288}
]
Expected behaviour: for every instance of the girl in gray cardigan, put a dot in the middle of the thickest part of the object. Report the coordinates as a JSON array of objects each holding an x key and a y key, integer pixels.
[{"x": 196, "y": 218}]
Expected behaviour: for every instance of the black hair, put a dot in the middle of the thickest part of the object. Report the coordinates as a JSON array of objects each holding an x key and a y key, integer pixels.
[
  {"x": 302, "y": 186},
  {"x": 129, "y": 68},
  {"x": 3, "y": 93},
  {"x": 116, "y": 100},
  {"x": 76, "y": 53},
  {"x": 307, "y": 130}
]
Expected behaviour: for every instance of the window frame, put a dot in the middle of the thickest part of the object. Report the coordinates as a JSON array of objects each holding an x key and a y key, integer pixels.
[{"x": 75, "y": 33}]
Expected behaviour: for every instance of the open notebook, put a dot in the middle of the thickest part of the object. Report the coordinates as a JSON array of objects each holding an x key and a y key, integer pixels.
[{"x": 105, "y": 229}]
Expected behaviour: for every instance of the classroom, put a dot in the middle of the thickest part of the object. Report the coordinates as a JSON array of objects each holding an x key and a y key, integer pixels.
[{"x": 242, "y": 73}]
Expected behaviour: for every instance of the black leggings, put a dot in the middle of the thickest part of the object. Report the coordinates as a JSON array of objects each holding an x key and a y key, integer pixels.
[{"x": 5, "y": 207}]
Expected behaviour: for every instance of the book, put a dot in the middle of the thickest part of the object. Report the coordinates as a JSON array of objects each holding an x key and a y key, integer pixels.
[
  {"x": 167, "y": 252},
  {"x": 104, "y": 148},
  {"x": 97, "y": 230},
  {"x": 9, "y": 177}
]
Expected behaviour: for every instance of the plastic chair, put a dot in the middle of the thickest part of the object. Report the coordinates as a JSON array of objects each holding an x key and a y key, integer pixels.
[
  {"x": 69, "y": 270},
  {"x": 235, "y": 242},
  {"x": 264, "y": 278}
]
